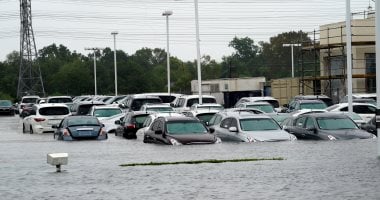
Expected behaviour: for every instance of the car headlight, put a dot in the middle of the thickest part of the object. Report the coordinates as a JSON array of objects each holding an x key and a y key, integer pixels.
[
  {"x": 331, "y": 137},
  {"x": 218, "y": 140},
  {"x": 374, "y": 136},
  {"x": 292, "y": 137},
  {"x": 174, "y": 142}
]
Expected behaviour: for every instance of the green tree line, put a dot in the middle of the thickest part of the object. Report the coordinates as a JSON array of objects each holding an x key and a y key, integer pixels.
[{"x": 70, "y": 73}]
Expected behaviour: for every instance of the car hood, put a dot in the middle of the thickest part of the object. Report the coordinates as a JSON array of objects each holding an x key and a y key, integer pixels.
[
  {"x": 84, "y": 131},
  {"x": 268, "y": 135},
  {"x": 346, "y": 134},
  {"x": 194, "y": 138}
]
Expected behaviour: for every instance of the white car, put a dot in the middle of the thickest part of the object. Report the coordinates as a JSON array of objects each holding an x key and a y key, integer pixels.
[
  {"x": 261, "y": 105},
  {"x": 43, "y": 117},
  {"x": 206, "y": 106},
  {"x": 26, "y": 100},
  {"x": 104, "y": 111},
  {"x": 366, "y": 110},
  {"x": 184, "y": 102},
  {"x": 248, "y": 127},
  {"x": 271, "y": 100},
  {"x": 109, "y": 122}
]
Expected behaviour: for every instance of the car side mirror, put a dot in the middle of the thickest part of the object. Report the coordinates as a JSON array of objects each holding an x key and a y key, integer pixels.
[
  {"x": 158, "y": 132},
  {"x": 212, "y": 130},
  {"x": 117, "y": 122},
  {"x": 233, "y": 129}
]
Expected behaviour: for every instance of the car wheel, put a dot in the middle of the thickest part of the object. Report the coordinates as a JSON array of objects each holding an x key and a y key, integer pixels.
[
  {"x": 31, "y": 130},
  {"x": 131, "y": 135},
  {"x": 23, "y": 128},
  {"x": 145, "y": 140}
]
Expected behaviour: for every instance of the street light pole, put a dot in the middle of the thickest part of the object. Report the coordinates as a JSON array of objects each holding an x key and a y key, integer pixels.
[
  {"x": 114, "y": 56},
  {"x": 377, "y": 22},
  {"x": 198, "y": 52},
  {"x": 167, "y": 14},
  {"x": 94, "y": 49},
  {"x": 292, "y": 54}
]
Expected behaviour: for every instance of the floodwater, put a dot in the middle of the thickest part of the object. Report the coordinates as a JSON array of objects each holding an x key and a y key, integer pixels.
[{"x": 311, "y": 169}]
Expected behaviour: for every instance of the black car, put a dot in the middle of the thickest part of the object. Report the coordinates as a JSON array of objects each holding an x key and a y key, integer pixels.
[
  {"x": 130, "y": 123},
  {"x": 179, "y": 130},
  {"x": 6, "y": 107},
  {"x": 370, "y": 126},
  {"x": 134, "y": 102},
  {"x": 80, "y": 127},
  {"x": 325, "y": 126}
]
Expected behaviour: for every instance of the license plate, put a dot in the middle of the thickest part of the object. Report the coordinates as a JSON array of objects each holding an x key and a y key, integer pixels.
[{"x": 84, "y": 133}]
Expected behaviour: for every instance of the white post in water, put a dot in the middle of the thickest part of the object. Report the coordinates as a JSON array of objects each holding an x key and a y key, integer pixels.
[
  {"x": 349, "y": 55},
  {"x": 198, "y": 52},
  {"x": 378, "y": 73}
]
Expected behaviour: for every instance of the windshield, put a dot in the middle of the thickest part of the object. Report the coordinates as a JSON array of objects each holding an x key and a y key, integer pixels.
[
  {"x": 190, "y": 102},
  {"x": 257, "y": 124},
  {"x": 264, "y": 108},
  {"x": 60, "y": 100},
  {"x": 188, "y": 127},
  {"x": 106, "y": 112},
  {"x": 205, "y": 117},
  {"x": 29, "y": 100},
  {"x": 336, "y": 123},
  {"x": 5, "y": 103},
  {"x": 313, "y": 106}
]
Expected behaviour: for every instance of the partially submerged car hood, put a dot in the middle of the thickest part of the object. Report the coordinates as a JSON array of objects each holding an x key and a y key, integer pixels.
[
  {"x": 268, "y": 135},
  {"x": 195, "y": 138}
]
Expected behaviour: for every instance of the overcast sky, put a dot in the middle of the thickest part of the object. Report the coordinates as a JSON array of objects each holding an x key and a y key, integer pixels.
[{"x": 78, "y": 24}]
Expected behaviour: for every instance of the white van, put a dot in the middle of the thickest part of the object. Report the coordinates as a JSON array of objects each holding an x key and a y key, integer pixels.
[{"x": 183, "y": 103}]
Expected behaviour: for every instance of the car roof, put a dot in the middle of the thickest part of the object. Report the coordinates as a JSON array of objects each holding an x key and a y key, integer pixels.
[
  {"x": 52, "y": 97},
  {"x": 144, "y": 96},
  {"x": 309, "y": 101},
  {"x": 339, "y": 105},
  {"x": 311, "y": 97},
  {"x": 31, "y": 96},
  {"x": 110, "y": 106},
  {"x": 156, "y": 105},
  {"x": 178, "y": 118},
  {"x": 91, "y": 102},
  {"x": 257, "y": 103},
  {"x": 196, "y": 96},
  {"x": 327, "y": 115},
  {"x": 259, "y": 98},
  {"x": 46, "y": 105}
]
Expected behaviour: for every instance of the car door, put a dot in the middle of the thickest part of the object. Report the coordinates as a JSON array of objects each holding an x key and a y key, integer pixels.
[
  {"x": 223, "y": 129},
  {"x": 298, "y": 127},
  {"x": 310, "y": 129}
]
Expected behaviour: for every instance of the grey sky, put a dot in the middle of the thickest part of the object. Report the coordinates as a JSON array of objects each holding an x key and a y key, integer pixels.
[{"x": 78, "y": 24}]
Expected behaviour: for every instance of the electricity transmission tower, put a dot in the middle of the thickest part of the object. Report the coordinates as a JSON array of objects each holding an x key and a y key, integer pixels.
[{"x": 29, "y": 79}]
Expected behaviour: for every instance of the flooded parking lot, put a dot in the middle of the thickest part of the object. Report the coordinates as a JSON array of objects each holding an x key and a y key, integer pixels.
[{"x": 311, "y": 169}]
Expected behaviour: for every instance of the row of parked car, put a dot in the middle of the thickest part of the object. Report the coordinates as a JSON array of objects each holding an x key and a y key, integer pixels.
[{"x": 185, "y": 121}]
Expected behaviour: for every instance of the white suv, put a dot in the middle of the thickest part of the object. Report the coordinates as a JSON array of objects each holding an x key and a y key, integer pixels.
[
  {"x": 44, "y": 116},
  {"x": 184, "y": 102}
]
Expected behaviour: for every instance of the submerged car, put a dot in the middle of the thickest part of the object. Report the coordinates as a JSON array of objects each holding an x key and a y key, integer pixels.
[
  {"x": 7, "y": 107},
  {"x": 43, "y": 116},
  {"x": 248, "y": 127},
  {"x": 179, "y": 131},
  {"x": 80, "y": 127},
  {"x": 325, "y": 126},
  {"x": 370, "y": 126},
  {"x": 130, "y": 123}
]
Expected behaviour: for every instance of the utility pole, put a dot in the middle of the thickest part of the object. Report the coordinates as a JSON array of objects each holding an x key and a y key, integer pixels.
[
  {"x": 291, "y": 46},
  {"x": 114, "y": 57},
  {"x": 95, "y": 49},
  {"x": 29, "y": 79}
]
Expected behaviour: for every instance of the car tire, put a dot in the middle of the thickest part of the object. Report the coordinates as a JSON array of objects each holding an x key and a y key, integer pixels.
[
  {"x": 145, "y": 140},
  {"x": 31, "y": 130},
  {"x": 23, "y": 128}
]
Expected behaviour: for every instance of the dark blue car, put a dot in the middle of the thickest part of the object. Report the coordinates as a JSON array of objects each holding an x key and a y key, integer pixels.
[{"x": 80, "y": 127}]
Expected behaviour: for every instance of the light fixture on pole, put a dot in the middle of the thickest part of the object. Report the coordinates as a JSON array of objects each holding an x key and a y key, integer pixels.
[
  {"x": 292, "y": 54},
  {"x": 94, "y": 49},
  {"x": 114, "y": 33},
  {"x": 198, "y": 52},
  {"x": 167, "y": 13}
]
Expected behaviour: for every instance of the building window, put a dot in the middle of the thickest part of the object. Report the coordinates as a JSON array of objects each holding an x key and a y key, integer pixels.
[{"x": 370, "y": 66}]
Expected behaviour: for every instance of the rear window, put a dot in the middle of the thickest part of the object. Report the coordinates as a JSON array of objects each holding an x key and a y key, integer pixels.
[
  {"x": 137, "y": 103},
  {"x": 54, "y": 111},
  {"x": 139, "y": 120},
  {"x": 60, "y": 100},
  {"x": 5, "y": 103},
  {"x": 190, "y": 102},
  {"x": 29, "y": 100},
  {"x": 167, "y": 99}
]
